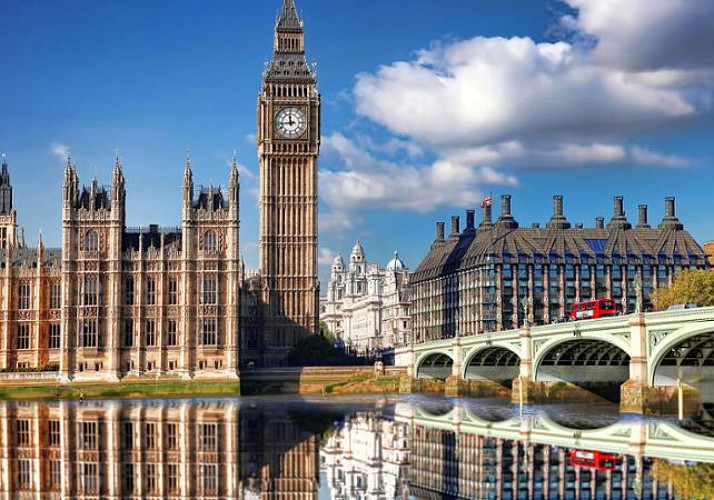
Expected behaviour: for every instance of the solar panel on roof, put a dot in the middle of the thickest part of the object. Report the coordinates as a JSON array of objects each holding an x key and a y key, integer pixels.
[{"x": 597, "y": 245}]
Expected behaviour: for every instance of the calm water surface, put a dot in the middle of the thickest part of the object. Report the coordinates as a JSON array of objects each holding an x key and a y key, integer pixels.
[{"x": 352, "y": 448}]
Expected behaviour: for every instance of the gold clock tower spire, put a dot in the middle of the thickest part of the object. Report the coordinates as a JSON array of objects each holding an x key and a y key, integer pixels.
[{"x": 288, "y": 147}]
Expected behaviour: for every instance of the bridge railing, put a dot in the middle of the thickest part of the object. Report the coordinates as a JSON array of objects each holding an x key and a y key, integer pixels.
[{"x": 589, "y": 325}]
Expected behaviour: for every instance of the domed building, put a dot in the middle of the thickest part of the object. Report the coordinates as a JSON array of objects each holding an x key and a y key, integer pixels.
[{"x": 367, "y": 308}]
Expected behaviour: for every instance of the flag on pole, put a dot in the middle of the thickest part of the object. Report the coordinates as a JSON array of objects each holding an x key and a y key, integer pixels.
[{"x": 486, "y": 202}]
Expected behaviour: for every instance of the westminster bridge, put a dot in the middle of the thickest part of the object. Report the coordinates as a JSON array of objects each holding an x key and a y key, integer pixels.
[{"x": 643, "y": 356}]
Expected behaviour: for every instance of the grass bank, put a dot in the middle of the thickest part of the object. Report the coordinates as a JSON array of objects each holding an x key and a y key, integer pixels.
[{"x": 123, "y": 389}]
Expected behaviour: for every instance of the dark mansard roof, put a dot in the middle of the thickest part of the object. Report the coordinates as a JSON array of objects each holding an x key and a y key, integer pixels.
[
  {"x": 559, "y": 242},
  {"x": 150, "y": 237},
  {"x": 95, "y": 195},
  {"x": 210, "y": 198},
  {"x": 28, "y": 258}
]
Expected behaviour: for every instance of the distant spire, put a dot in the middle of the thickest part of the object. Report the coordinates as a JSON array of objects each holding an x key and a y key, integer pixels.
[
  {"x": 288, "y": 19},
  {"x": 187, "y": 165},
  {"x": 118, "y": 175},
  {"x": 234, "y": 167}
]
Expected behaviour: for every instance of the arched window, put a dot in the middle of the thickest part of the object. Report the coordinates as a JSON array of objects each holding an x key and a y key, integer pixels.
[
  {"x": 210, "y": 241},
  {"x": 91, "y": 241}
]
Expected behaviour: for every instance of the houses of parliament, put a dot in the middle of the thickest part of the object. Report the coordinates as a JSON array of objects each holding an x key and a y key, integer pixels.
[{"x": 117, "y": 302}]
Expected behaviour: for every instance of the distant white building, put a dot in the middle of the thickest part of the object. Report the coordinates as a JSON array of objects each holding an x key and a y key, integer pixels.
[
  {"x": 367, "y": 459},
  {"x": 368, "y": 308}
]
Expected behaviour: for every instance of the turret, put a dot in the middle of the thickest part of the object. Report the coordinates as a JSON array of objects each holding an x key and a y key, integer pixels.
[
  {"x": 187, "y": 188},
  {"x": 70, "y": 186},
  {"x": 118, "y": 191},
  {"x": 5, "y": 189},
  {"x": 234, "y": 188}
]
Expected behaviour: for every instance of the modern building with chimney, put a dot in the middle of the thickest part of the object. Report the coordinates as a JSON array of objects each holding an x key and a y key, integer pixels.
[{"x": 499, "y": 275}]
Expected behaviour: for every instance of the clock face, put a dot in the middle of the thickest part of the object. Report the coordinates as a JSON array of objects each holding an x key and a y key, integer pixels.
[{"x": 291, "y": 123}]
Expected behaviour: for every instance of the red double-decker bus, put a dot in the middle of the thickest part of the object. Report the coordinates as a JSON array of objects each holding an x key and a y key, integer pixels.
[
  {"x": 597, "y": 460},
  {"x": 601, "y": 308}
]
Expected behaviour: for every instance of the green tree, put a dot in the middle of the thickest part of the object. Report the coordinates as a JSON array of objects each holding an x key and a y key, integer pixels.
[
  {"x": 325, "y": 332},
  {"x": 689, "y": 481},
  {"x": 694, "y": 286},
  {"x": 318, "y": 350}
]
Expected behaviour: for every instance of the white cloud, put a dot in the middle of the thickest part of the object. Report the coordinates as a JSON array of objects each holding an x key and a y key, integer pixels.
[
  {"x": 487, "y": 90},
  {"x": 325, "y": 256},
  {"x": 453, "y": 118},
  {"x": 337, "y": 223},
  {"x": 642, "y": 35},
  {"x": 644, "y": 156},
  {"x": 61, "y": 151},
  {"x": 370, "y": 183}
]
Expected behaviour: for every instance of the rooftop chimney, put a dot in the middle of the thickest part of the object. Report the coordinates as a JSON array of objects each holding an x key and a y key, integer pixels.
[
  {"x": 670, "y": 220},
  {"x": 669, "y": 207},
  {"x": 506, "y": 219},
  {"x": 618, "y": 221},
  {"x": 455, "y": 228},
  {"x": 440, "y": 231},
  {"x": 470, "y": 218},
  {"x": 558, "y": 220},
  {"x": 599, "y": 222},
  {"x": 439, "y": 241},
  {"x": 486, "y": 215},
  {"x": 642, "y": 217},
  {"x": 619, "y": 209}
]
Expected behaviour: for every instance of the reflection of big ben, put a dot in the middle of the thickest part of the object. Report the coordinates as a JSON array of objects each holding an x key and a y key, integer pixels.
[{"x": 288, "y": 146}]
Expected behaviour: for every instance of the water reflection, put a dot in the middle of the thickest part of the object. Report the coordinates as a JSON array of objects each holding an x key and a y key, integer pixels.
[{"x": 415, "y": 448}]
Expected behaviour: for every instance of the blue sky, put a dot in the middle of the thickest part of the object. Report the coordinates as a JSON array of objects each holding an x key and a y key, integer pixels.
[{"x": 427, "y": 107}]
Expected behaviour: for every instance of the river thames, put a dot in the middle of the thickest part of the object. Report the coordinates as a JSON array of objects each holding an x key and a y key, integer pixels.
[{"x": 413, "y": 447}]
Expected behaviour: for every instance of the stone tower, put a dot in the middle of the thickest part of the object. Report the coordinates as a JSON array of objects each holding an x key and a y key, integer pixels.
[
  {"x": 8, "y": 216},
  {"x": 93, "y": 220},
  {"x": 210, "y": 265},
  {"x": 288, "y": 146}
]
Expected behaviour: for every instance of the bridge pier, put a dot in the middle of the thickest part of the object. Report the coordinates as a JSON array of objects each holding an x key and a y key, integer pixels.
[
  {"x": 524, "y": 388},
  {"x": 456, "y": 386},
  {"x": 637, "y": 395}
]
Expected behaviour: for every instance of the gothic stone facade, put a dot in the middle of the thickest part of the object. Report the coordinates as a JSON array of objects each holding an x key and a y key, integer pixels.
[
  {"x": 498, "y": 275},
  {"x": 116, "y": 302},
  {"x": 288, "y": 147},
  {"x": 173, "y": 450}
]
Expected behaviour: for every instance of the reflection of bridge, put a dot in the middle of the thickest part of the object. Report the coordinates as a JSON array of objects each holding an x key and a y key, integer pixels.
[
  {"x": 643, "y": 352},
  {"x": 654, "y": 439}
]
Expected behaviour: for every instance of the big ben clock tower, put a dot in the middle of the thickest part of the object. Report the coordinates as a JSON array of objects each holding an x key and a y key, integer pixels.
[{"x": 288, "y": 146}]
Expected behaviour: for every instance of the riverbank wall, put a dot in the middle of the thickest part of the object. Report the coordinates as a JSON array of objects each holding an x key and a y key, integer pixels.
[
  {"x": 305, "y": 380},
  {"x": 322, "y": 380}
]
